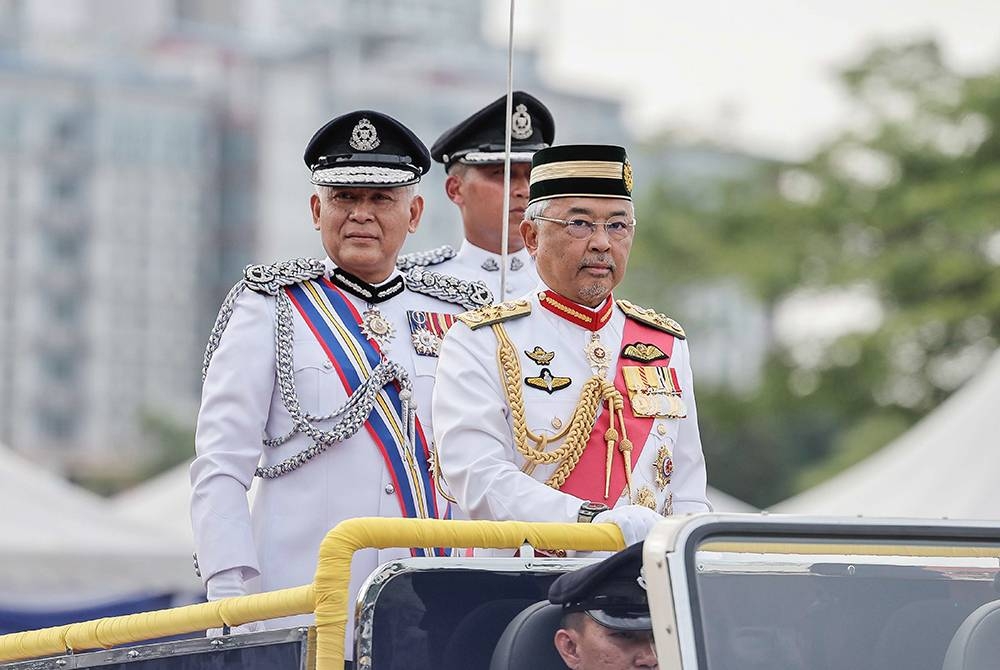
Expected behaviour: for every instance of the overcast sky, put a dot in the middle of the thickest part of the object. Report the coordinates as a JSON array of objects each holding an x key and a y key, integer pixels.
[{"x": 754, "y": 74}]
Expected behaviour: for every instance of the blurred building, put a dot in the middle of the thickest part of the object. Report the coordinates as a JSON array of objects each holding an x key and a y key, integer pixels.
[
  {"x": 150, "y": 151},
  {"x": 107, "y": 192}
]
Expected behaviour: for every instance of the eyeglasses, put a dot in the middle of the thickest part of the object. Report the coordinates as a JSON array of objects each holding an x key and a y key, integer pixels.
[{"x": 581, "y": 229}]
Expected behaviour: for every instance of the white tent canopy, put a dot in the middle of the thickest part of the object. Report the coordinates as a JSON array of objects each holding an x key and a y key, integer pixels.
[
  {"x": 723, "y": 502},
  {"x": 164, "y": 501},
  {"x": 945, "y": 466},
  {"x": 63, "y": 544}
]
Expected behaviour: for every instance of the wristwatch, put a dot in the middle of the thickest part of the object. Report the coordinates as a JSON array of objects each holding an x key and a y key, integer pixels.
[{"x": 588, "y": 510}]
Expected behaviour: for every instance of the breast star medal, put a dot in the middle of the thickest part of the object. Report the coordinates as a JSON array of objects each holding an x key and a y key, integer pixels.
[
  {"x": 664, "y": 467},
  {"x": 597, "y": 355},
  {"x": 376, "y": 327}
]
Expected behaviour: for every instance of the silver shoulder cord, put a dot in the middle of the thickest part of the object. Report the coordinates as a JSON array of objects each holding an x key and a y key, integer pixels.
[{"x": 506, "y": 158}]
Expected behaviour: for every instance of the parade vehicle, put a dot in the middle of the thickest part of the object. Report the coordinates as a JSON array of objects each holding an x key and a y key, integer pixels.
[{"x": 726, "y": 592}]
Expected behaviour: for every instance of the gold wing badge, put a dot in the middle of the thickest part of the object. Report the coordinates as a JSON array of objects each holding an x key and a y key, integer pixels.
[
  {"x": 540, "y": 356},
  {"x": 643, "y": 352},
  {"x": 545, "y": 381}
]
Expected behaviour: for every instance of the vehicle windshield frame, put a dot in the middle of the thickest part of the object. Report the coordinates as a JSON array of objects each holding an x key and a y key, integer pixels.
[{"x": 771, "y": 529}]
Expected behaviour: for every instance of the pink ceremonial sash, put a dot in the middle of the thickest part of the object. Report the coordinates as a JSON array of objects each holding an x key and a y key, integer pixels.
[{"x": 587, "y": 479}]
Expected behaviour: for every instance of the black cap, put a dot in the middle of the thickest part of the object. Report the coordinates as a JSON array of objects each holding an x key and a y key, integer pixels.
[
  {"x": 480, "y": 139},
  {"x": 585, "y": 170},
  {"x": 612, "y": 592},
  {"x": 366, "y": 148}
]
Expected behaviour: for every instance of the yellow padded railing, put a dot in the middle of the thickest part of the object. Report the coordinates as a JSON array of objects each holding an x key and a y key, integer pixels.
[
  {"x": 339, "y": 545},
  {"x": 327, "y": 596},
  {"x": 113, "y": 631}
]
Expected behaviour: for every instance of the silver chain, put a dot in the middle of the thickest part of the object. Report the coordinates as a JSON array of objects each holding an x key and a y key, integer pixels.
[
  {"x": 421, "y": 258},
  {"x": 354, "y": 413},
  {"x": 261, "y": 278},
  {"x": 468, "y": 294},
  {"x": 221, "y": 321}
]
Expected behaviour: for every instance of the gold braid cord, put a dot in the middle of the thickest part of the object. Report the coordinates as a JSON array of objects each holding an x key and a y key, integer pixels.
[{"x": 577, "y": 432}]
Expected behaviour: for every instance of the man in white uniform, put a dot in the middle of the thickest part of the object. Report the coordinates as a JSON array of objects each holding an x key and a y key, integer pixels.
[
  {"x": 473, "y": 156},
  {"x": 293, "y": 343},
  {"x": 567, "y": 404}
]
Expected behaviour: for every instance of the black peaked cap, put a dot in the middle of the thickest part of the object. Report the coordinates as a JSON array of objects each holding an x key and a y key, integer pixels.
[
  {"x": 612, "y": 591},
  {"x": 366, "y": 148},
  {"x": 480, "y": 139}
]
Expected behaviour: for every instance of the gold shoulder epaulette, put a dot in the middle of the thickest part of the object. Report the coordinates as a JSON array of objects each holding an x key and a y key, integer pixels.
[
  {"x": 651, "y": 318},
  {"x": 269, "y": 279},
  {"x": 491, "y": 314}
]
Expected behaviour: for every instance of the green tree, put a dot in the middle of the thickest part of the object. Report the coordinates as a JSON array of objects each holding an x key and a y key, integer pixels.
[{"x": 906, "y": 205}]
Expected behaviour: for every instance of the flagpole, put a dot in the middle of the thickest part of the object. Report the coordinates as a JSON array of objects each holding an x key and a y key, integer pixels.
[{"x": 506, "y": 159}]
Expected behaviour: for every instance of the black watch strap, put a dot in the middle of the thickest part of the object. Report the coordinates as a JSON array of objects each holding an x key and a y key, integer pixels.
[{"x": 588, "y": 510}]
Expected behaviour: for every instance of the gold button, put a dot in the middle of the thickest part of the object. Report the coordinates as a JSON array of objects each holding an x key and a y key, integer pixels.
[
  {"x": 556, "y": 423},
  {"x": 661, "y": 429}
]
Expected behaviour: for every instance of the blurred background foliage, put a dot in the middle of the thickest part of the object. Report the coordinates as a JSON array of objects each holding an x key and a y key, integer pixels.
[{"x": 902, "y": 210}]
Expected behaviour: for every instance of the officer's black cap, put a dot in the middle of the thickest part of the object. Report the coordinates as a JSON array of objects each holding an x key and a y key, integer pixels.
[
  {"x": 366, "y": 148},
  {"x": 479, "y": 139},
  {"x": 612, "y": 592},
  {"x": 583, "y": 170}
]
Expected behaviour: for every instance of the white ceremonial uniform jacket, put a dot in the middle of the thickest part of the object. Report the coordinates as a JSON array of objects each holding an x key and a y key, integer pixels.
[
  {"x": 278, "y": 541},
  {"x": 473, "y": 428},
  {"x": 471, "y": 263}
]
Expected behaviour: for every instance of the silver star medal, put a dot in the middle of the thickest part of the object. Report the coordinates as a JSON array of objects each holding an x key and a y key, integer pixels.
[
  {"x": 376, "y": 327},
  {"x": 425, "y": 342}
]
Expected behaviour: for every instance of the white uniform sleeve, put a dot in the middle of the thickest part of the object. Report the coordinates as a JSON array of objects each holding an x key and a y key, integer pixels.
[
  {"x": 475, "y": 442},
  {"x": 236, "y": 399},
  {"x": 689, "y": 480}
]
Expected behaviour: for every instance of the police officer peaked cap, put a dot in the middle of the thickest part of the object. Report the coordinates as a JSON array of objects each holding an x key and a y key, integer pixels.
[
  {"x": 611, "y": 592},
  {"x": 583, "y": 170},
  {"x": 366, "y": 148},
  {"x": 480, "y": 139}
]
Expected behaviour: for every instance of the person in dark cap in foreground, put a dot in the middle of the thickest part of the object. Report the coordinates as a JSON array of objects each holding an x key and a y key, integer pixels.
[
  {"x": 473, "y": 156},
  {"x": 318, "y": 376},
  {"x": 606, "y": 623},
  {"x": 569, "y": 404}
]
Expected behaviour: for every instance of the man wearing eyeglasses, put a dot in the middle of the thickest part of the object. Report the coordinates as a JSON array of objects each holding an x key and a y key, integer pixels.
[{"x": 570, "y": 404}]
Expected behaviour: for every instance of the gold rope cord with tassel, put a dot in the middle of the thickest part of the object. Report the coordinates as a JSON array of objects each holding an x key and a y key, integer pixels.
[{"x": 577, "y": 432}]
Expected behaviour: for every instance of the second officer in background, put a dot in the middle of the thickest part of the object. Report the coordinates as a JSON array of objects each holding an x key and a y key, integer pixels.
[{"x": 473, "y": 156}]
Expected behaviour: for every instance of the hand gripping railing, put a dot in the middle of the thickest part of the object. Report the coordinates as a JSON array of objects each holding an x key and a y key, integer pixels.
[{"x": 327, "y": 596}]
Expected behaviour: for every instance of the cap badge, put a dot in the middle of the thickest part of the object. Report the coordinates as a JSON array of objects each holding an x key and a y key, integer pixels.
[
  {"x": 627, "y": 176},
  {"x": 520, "y": 123},
  {"x": 364, "y": 137}
]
